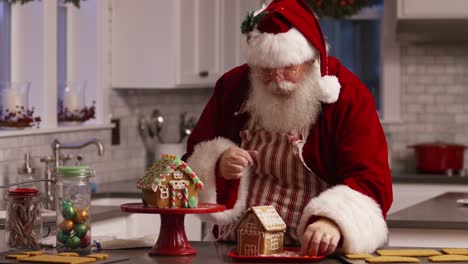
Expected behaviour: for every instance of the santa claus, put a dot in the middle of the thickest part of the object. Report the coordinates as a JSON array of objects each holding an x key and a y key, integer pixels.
[{"x": 295, "y": 129}]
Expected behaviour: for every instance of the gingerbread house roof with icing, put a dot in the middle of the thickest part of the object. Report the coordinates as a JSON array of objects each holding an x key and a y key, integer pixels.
[
  {"x": 267, "y": 216},
  {"x": 260, "y": 231},
  {"x": 166, "y": 166},
  {"x": 170, "y": 182}
]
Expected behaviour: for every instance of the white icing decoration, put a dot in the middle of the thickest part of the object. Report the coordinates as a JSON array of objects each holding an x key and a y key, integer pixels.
[
  {"x": 154, "y": 187},
  {"x": 250, "y": 229},
  {"x": 178, "y": 175},
  {"x": 269, "y": 218},
  {"x": 164, "y": 192},
  {"x": 250, "y": 250},
  {"x": 179, "y": 195},
  {"x": 179, "y": 185},
  {"x": 274, "y": 241}
]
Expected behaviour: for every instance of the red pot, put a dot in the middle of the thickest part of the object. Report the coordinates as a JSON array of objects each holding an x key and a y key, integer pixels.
[{"x": 439, "y": 157}]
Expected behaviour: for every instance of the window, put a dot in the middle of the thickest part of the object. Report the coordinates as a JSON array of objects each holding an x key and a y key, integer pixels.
[
  {"x": 274, "y": 242},
  {"x": 34, "y": 49},
  {"x": 356, "y": 43},
  {"x": 4, "y": 41},
  {"x": 164, "y": 192}
]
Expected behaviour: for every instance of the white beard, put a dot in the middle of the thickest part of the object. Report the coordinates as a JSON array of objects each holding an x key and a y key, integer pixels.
[{"x": 286, "y": 107}]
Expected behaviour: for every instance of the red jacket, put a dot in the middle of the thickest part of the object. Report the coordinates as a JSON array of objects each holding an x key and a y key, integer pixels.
[{"x": 345, "y": 146}]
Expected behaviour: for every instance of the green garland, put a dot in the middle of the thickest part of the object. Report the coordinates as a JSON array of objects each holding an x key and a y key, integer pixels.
[
  {"x": 251, "y": 20},
  {"x": 75, "y": 2},
  {"x": 337, "y": 8},
  {"x": 322, "y": 8}
]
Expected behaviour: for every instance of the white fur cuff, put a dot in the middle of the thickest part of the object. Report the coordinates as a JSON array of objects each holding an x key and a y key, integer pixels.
[
  {"x": 358, "y": 216},
  {"x": 203, "y": 162},
  {"x": 274, "y": 50}
]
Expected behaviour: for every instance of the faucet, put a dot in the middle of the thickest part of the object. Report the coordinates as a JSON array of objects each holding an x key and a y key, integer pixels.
[{"x": 57, "y": 146}]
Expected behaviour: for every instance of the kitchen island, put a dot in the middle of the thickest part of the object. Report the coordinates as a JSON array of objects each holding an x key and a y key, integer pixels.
[
  {"x": 437, "y": 222},
  {"x": 207, "y": 252}
]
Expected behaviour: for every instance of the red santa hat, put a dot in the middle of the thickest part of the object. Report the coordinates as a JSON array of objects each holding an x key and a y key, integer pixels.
[{"x": 287, "y": 32}]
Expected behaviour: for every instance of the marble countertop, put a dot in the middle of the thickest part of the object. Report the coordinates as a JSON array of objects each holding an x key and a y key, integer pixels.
[
  {"x": 120, "y": 189},
  {"x": 414, "y": 177},
  {"x": 440, "y": 212},
  {"x": 207, "y": 252}
]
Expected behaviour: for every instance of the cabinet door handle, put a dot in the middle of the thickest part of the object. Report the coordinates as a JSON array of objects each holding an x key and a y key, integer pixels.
[{"x": 203, "y": 74}]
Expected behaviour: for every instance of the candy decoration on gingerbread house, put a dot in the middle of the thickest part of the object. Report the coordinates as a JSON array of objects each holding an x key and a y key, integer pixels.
[
  {"x": 260, "y": 231},
  {"x": 170, "y": 183}
]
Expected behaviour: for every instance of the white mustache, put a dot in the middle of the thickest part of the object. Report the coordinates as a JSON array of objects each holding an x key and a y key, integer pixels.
[
  {"x": 284, "y": 106},
  {"x": 283, "y": 87}
]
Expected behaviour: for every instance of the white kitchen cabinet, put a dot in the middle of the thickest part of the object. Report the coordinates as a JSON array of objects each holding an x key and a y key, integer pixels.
[
  {"x": 432, "y": 9},
  {"x": 167, "y": 44},
  {"x": 237, "y": 11}
]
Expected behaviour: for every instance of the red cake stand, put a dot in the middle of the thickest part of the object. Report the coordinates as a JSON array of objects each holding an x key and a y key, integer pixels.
[{"x": 172, "y": 240}]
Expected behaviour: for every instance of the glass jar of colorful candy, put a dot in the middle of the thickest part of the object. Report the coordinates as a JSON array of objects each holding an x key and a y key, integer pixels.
[
  {"x": 23, "y": 219},
  {"x": 73, "y": 203}
]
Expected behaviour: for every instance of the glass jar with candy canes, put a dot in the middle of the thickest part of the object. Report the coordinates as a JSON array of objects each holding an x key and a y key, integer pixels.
[
  {"x": 23, "y": 219},
  {"x": 73, "y": 203}
]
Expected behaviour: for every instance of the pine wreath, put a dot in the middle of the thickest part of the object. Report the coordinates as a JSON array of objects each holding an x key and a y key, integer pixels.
[
  {"x": 75, "y": 2},
  {"x": 337, "y": 8}
]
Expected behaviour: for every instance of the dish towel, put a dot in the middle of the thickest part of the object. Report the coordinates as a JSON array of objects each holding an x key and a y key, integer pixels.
[{"x": 138, "y": 242}]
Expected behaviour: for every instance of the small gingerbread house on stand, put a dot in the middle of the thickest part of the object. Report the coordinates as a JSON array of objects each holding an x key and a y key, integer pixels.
[
  {"x": 170, "y": 183},
  {"x": 260, "y": 231}
]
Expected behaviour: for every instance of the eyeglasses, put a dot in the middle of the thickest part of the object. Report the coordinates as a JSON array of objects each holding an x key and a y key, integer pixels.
[{"x": 286, "y": 73}]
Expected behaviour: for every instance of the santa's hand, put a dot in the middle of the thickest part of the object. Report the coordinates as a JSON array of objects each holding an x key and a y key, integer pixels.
[
  {"x": 233, "y": 162},
  {"x": 320, "y": 238}
]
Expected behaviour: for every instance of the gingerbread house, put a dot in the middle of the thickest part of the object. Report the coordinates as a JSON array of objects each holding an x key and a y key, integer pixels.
[
  {"x": 170, "y": 183},
  {"x": 260, "y": 231}
]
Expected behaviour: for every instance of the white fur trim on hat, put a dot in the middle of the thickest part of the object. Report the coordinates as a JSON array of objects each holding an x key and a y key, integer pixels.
[
  {"x": 203, "y": 162},
  {"x": 329, "y": 89},
  {"x": 358, "y": 216},
  {"x": 277, "y": 50}
]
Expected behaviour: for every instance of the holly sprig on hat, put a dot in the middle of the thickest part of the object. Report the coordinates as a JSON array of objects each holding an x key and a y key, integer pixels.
[
  {"x": 251, "y": 20},
  {"x": 337, "y": 8}
]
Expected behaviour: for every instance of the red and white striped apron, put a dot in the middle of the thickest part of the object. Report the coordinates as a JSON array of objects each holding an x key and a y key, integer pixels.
[{"x": 280, "y": 178}]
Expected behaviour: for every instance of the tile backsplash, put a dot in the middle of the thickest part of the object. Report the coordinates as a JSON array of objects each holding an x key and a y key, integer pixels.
[
  {"x": 434, "y": 92},
  {"x": 124, "y": 161}
]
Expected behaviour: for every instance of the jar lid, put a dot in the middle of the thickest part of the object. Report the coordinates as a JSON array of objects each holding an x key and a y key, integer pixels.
[
  {"x": 23, "y": 192},
  {"x": 74, "y": 171}
]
